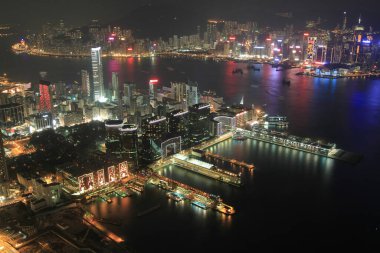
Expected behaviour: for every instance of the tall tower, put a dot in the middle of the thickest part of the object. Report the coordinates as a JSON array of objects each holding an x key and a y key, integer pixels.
[
  {"x": 3, "y": 163},
  {"x": 97, "y": 73},
  {"x": 152, "y": 88},
  {"x": 45, "y": 96},
  {"x": 129, "y": 144},
  {"x": 358, "y": 33},
  {"x": 344, "y": 21},
  {"x": 122, "y": 141},
  {"x": 115, "y": 86},
  {"x": 86, "y": 88}
]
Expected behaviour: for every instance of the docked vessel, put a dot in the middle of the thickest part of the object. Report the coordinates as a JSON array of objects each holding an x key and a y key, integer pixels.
[
  {"x": 239, "y": 137},
  {"x": 21, "y": 47},
  {"x": 199, "y": 204},
  {"x": 175, "y": 196},
  {"x": 226, "y": 209}
]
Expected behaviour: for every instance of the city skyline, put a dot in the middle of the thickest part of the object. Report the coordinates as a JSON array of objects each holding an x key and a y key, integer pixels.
[{"x": 189, "y": 126}]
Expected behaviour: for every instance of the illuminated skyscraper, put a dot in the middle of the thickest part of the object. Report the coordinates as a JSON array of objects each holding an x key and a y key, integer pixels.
[
  {"x": 115, "y": 86},
  {"x": 344, "y": 26},
  {"x": 129, "y": 144},
  {"x": 3, "y": 164},
  {"x": 154, "y": 132},
  {"x": 178, "y": 122},
  {"x": 122, "y": 141},
  {"x": 129, "y": 89},
  {"x": 86, "y": 88},
  {"x": 152, "y": 89},
  {"x": 199, "y": 123},
  {"x": 97, "y": 73},
  {"x": 45, "y": 96},
  {"x": 113, "y": 144}
]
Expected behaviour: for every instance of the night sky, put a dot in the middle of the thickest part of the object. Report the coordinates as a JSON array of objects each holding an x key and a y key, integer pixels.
[{"x": 33, "y": 13}]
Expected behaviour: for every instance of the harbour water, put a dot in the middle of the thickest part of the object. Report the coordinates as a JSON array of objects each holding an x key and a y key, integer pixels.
[{"x": 292, "y": 201}]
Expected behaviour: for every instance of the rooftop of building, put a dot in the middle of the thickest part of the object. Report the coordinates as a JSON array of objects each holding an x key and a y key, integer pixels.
[
  {"x": 44, "y": 82},
  {"x": 200, "y": 106},
  {"x": 129, "y": 127},
  {"x": 83, "y": 166},
  {"x": 177, "y": 113},
  {"x": 113, "y": 123}
]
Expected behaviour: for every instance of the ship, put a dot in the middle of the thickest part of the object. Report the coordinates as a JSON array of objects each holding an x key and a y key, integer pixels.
[
  {"x": 175, "y": 196},
  {"x": 239, "y": 137},
  {"x": 21, "y": 47},
  {"x": 226, "y": 209},
  {"x": 199, "y": 204}
]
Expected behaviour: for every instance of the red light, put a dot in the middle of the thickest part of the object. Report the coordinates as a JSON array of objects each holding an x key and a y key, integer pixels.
[
  {"x": 130, "y": 49},
  {"x": 232, "y": 38},
  {"x": 306, "y": 34},
  {"x": 269, "y": 39},
  {"x": 153, "y": 81}
]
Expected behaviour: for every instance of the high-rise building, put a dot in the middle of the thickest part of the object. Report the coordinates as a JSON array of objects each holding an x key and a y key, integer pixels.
[
  {"x": 41, "y": 121},
  {"x": 199, "y": 123},
  {"x": 11, "y": 115},
  {"x": 129, "y": 144},
  {"x": 186, "y": 93},
  {"x": 178, "y": 121},
  {"x": 122, "y": 141},
  {"x": 3, "y": 163},
  {"x": 60, "y": 89},
  {"x": 154, "y": 131},
  {"x": 192, "y": 94},
  {"x": 45, "y": 96},
  {"x": 178, "y": 91},
  {"x": 154, "y": 128},
  {"x": 115, "y": 86},
  {"x": 129, "y": 89},
  {"x": 113, "y": 143},
  {"x": 86, "y": 87},
  {"x": 152, "y": 89},
  {"x": 97, "y": 73},
  {"x": 211, "y": 32}
]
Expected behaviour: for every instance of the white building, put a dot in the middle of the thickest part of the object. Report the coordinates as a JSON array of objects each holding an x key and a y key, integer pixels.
[{"x": 97, "y": 73}]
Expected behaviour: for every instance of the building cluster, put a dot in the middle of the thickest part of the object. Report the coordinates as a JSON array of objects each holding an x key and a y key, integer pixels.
[
  {"x": 140, "y": 126},
  {"x": 345, "y": 44}
]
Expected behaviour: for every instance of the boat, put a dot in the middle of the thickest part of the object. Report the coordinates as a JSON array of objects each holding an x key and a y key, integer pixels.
[
  {"x": 149, "y": 210},
  {"x": 199, "y": 204},
  {"x": 175, "y": 196},
  {"x": 21, "y": 47},
  {"x": 239, "y": 137},
  {"x": 226, "y": 209}
]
